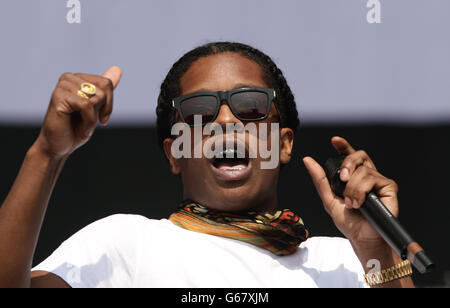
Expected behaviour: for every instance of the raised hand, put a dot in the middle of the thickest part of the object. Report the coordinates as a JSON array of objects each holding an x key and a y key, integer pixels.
[
  {"x": 71, "y": 120},
  {"x": 361, "y": 176},
  {"x": 68, "y": 124}
]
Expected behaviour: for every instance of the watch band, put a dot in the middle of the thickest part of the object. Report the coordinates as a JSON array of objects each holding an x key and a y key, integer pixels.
[{"x": 395, "y": 272}]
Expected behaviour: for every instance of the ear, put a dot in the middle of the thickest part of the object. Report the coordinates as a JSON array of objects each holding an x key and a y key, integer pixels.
[
  {"x": 167, "y": 146},
  {"x": 286, "y": 144}
]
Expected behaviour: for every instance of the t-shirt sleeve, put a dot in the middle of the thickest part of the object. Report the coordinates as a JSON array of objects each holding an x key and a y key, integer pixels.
[{"x": 103, "y": 254}]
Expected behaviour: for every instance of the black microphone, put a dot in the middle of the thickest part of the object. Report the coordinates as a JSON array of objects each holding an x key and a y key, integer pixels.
[{"x": 382, "y": 220}]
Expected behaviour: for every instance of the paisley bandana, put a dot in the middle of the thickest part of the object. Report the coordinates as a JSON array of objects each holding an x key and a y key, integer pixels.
[{"x": 280, "y": 232}]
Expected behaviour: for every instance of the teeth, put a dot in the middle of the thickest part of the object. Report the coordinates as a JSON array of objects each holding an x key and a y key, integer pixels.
[
  {"x": 233, "y": 169},
  {"x": 230, "y": 153}
]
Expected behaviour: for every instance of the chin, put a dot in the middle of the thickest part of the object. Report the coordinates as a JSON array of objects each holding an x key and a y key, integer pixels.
[
  {"x": 230, "y": 184},
  {"x": 236, "y": 199}
]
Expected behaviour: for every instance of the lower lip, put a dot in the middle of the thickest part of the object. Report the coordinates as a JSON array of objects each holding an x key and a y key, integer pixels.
[{"x": 232, "y": 174}]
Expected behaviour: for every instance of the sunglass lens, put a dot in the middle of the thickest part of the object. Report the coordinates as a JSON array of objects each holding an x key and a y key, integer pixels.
[
  {"x": 205, "y": 106},
  {"x": 250, "y": 105}
]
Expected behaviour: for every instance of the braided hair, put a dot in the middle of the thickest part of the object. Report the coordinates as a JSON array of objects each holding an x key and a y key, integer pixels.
[{"x": 272, "y": 75}]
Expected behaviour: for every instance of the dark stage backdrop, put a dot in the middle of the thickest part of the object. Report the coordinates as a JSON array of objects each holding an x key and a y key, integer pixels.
[{"x": 122, "y": 170}]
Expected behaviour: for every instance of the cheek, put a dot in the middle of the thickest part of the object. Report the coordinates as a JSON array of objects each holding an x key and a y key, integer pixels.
[
  {"x": 267, "y": 179},
  {"x": 190, "y": 165},
  {"x": 269, "y": 138}
]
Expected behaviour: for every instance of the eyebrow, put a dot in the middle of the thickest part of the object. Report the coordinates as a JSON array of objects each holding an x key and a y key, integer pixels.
[{"x": 236, "y": 86}]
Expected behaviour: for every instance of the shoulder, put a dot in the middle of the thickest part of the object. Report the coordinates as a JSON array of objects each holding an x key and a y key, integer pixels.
[
  {"x": 126, "y": 230},
  {"x": 112, "y": 235},
  {"x": 119, "y": 220},
  {"x": 103, "y": 253},
  {"x": 120, "y": 224}
]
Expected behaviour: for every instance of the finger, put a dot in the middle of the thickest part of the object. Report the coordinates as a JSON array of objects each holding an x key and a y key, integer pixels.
[
  {"x": 342, "y": 146},
  {"x": 89, "y": 117},
  {"x": 363, "y": 181},
  {"x": 72, "y": 82},
  {"x": 70, "y": 103},
  {"x": 320, "y": 181},
  {"x": 69, "y": 86},
  {"x": 102, "y": 84},
  {"x": 114, "y": 73},
  {"x": 72, "y": 85},
  {"x": 353, "y": 161}
]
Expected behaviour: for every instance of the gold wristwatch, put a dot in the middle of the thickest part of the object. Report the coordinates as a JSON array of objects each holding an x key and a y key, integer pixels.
[{"x": 395, "y": 272}]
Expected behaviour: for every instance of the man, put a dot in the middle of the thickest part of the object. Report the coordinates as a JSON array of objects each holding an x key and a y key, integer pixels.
[{"x": 227, "y": 233}]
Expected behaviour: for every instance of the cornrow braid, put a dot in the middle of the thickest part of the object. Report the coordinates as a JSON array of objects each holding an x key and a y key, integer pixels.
[{"x": 272, "y": 75}]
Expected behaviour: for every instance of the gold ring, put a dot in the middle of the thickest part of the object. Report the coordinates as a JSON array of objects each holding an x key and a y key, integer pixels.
[
  {"x": 82, "y": 94},
  {"x": 87, "y": 90}
]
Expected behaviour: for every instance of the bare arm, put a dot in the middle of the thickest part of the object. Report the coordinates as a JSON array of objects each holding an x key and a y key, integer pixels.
[
  {"x": 69, "y": 123},
  {"x": 22, "y": 214}
]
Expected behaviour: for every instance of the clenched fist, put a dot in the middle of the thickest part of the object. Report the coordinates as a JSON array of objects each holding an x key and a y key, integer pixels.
[{"x": 71, "y": 120}]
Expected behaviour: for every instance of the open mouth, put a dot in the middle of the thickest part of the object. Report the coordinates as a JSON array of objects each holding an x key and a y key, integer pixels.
[
  {"x": 231, "y": 165},
  {"x": 231, "y": 160}
]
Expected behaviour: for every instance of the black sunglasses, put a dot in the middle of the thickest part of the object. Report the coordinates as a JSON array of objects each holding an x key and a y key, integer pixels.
[{"x": 247, "y": 104}]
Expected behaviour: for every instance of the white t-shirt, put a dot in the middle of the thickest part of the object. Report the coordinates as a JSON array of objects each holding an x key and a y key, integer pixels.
[{"x": 134, "y": 251}]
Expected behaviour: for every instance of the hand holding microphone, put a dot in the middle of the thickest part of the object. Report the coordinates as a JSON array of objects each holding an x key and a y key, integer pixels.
[{"x": 352, "y": 183}]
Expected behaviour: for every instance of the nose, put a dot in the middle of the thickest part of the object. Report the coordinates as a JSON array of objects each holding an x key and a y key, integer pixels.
[{"x": 226, "y": 116}]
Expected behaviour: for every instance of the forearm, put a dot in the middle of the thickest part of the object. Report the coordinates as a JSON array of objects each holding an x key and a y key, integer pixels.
[
  {"x": 22, "y": 213},
  {"x": 386, "y": 257}
]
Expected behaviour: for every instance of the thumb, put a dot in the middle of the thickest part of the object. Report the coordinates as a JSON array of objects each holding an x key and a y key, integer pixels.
[{"x": 114, "y": 73}]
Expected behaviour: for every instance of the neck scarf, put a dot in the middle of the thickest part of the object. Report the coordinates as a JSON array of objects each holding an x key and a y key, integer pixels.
[{"x": 280, "y": 232}]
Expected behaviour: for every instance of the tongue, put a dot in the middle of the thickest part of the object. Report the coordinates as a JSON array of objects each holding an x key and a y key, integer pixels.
[{"x": 230, "y": 164}]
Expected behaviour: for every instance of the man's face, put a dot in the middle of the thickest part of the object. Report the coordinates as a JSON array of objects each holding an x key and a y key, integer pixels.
[{"x": 230, "y": 184}]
